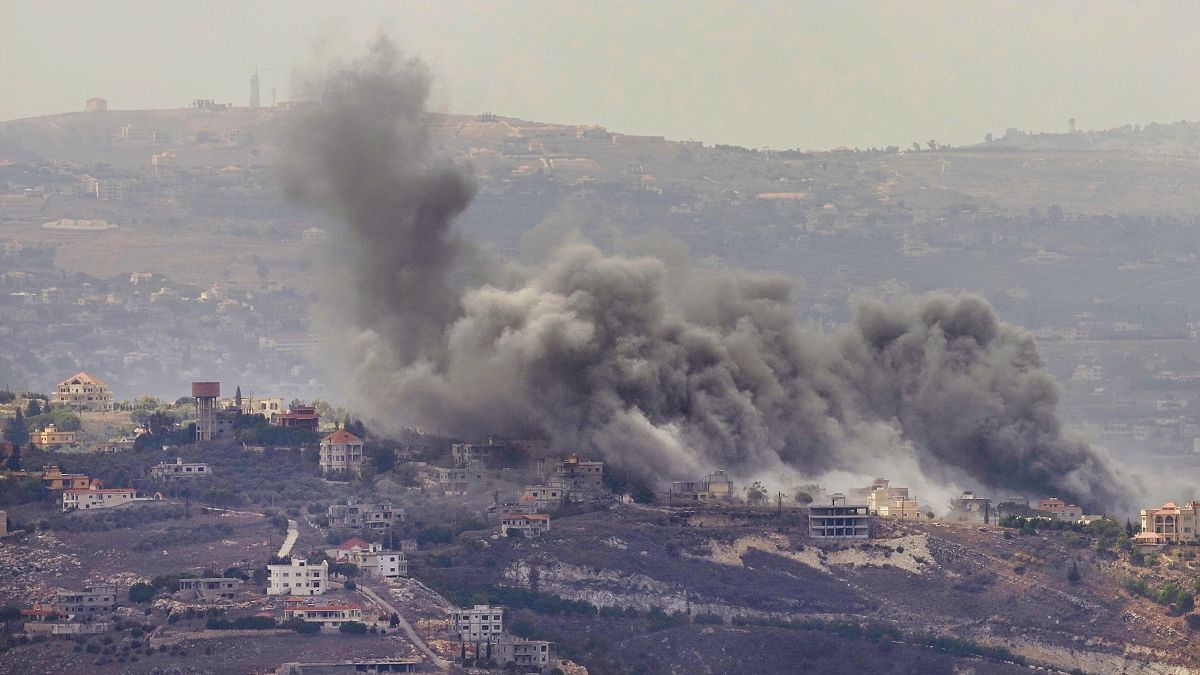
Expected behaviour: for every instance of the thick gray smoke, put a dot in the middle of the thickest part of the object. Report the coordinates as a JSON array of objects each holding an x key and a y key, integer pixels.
[{"x": 662, "y": 368}]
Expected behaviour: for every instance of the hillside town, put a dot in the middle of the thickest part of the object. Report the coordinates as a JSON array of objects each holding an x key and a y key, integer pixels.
[
  {"x": 349, "y": 374},
  {"x": 344, "y": 565}
]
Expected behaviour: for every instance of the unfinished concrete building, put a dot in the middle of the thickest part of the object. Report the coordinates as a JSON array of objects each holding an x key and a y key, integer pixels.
[{"x": 839, "y": 521}]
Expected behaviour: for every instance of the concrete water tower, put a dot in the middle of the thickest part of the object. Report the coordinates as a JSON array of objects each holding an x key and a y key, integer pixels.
[{"x": 206, "y": 394}]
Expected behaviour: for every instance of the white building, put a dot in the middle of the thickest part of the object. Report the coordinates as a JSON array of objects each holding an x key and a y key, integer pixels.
[
  {"x": 179, "y": 470},
  {"x": 96, "y": 498},
  {"x": 481, "y": 623},
  {"x": 298, "y": 578},
  {"x": 372, "y": 560}
]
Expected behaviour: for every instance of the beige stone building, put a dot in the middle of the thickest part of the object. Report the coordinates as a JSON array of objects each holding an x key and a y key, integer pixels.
[
  {"x": 1169, "y": 524},
  {"x": 887, "y": 501},
  {"x": 342, "y": 451},
  {"x": 84, "y": 393},
  {"x": 51, "y": 437}
]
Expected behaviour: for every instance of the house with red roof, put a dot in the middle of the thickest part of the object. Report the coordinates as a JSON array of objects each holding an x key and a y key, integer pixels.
[
  {"x": 342, "y": 451},
  {"x": 326, "y": 612},
  {"x": 525, "y": 524},
  {"x": 350, "y": 546}
]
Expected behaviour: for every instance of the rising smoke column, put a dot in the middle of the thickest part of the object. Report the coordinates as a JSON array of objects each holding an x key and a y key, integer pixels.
[{"x": 662, "y": 368}]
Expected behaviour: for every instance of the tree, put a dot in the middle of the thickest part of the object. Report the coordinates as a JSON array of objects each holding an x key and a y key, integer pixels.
[
  {"x": 755, "y": 493},
  {"x": 1054, "y": 212},
  {"x": 987, "y": 138},
  {"x": 141, "y": 592},
  {"x": 14, "y": 459},
  {"x": 1073, "y": 575},
  {"x": 237, "y": 397},
  {"x": 803, "y": 497},
  {"x": 15, "y": 431},
  {"x": 34, "y": 408}
]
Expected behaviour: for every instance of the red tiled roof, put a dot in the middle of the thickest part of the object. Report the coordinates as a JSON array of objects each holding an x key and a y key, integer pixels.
[
  {"x": 533, "y": 516},
  {"x": 82, "y": 378},
  {"x": 342, "y": 436},
  {"x": 351, "y": 543}
]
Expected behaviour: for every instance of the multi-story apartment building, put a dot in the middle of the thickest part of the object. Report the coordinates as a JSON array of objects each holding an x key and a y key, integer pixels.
[
  {"x": 475, "y": 455},
  {"x": 459, "y": 481},
  {"x": 93, "y": 599},
  {"x": 370, "y": 516},
  {"x": 341, "y": 451},
  {"x": 835, "y": 521},
  {"x": 298, "y": 578},
  {"x": 577, "y": 475},
  {"x": 481, "y": 623},
  {"x": 84, "y": 393}
]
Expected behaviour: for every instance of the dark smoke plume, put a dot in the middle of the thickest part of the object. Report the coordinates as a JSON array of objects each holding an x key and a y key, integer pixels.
[{"x": 661, "y": 368}]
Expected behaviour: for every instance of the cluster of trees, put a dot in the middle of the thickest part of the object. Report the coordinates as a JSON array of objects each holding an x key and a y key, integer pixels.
[
  {"x": 1177, "y": 599},
  {"x": 1108, "y": 534}
]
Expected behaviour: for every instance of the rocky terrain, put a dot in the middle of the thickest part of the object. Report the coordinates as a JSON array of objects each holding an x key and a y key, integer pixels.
[{"x": 642, "y": 588}]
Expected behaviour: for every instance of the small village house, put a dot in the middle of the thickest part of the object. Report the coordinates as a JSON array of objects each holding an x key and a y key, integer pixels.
[
  {"x": 543, "y": 497},
  {"x": 297, "y": 417},
  {"x": 214, "y": 588},
  {"x": 529, "y": 525},
  {"x": 330, "y": 613},
  {"x": 179, "y": 470},
  {"x": 51, "y": 437},
  {"x": 97, "y": 498}
]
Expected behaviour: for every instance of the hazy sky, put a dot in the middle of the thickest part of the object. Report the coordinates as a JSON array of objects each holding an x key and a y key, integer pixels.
[{"x": 787, "y": 74}]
